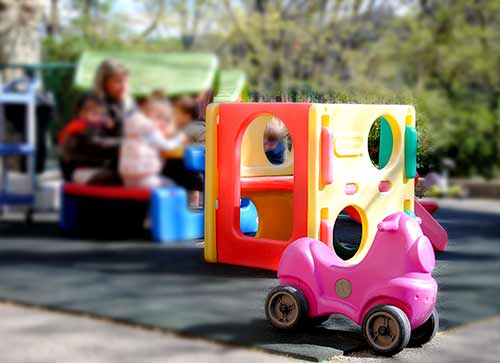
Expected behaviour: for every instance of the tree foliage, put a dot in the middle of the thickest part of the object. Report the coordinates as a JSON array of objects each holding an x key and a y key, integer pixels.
[{"x": 443, "y": 56}]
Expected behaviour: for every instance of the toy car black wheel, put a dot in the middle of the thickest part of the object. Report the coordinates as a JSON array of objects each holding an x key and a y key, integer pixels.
[
  {"x": 286, "y": 307},
  {"x": 425, "y": 332},
  {"x": 386, "y": 329}
]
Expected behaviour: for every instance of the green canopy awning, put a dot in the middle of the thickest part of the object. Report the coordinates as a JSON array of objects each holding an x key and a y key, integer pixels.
[
  {"x": 232, "y": 86},
  {"x": 175, "y": 73}
]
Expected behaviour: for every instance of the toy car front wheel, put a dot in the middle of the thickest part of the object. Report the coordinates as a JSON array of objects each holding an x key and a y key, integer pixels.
[
  {"x": 425, "y": 332},
  {"x": 286, "y": 307},
  {"x": 386, "y": 329}
]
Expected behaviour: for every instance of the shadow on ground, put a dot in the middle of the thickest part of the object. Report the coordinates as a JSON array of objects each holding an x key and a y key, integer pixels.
[{"x": 169, "y": 286}]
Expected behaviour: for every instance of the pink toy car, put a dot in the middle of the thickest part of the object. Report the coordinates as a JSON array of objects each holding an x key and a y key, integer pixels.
[{"x": 390, "y": 293}]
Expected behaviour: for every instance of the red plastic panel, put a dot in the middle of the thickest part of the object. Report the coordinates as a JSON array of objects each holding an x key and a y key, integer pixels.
[
  {"x": 107, "y": 192},
  {"x": 430, "y": 206},
  {"x": 353, "y": 213},
  {"x": 232, "y": 246},
  {"x": 326, "y": 232},
  {"x": 254, "y": 184}
]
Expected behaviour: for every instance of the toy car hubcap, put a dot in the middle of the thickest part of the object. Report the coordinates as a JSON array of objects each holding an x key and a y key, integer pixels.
[
  {"x": 383, "y": 330},
  {"x": 283, "y": 308}
]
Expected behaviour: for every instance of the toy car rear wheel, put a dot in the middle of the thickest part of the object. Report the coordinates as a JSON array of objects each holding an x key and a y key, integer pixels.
[
  {"x": 386, "y": 329},
  {"x": 425, "y": 332},
  {"x": 286, "y": 307}
]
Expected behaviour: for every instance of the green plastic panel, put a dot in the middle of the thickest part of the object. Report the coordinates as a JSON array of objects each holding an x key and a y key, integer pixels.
[
  {"x": 386, "y": 143},
  {"x": 232, "y": 86},
  {"x": 176, "y": 73},
  {"x": 410, "y": 152}
]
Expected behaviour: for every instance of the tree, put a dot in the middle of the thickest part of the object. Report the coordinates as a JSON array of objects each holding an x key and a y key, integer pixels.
[
  {"x": 183, "y": 18},
  {"x": 19, "y": 36}
]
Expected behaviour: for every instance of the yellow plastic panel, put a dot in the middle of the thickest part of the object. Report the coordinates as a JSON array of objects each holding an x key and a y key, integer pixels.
[
  {"x": 350, "y": 125},
  {"x": 349, "y": 144},
  {"x": 253, "y": 158},
  {"x": 211, "y": 175}
]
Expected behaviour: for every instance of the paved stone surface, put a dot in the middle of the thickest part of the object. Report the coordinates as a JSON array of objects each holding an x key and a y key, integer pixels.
[
  {"x": 37, "y": 336},
  {"x": 475, "y": 342},
  {"x": 40, "y": 336}
]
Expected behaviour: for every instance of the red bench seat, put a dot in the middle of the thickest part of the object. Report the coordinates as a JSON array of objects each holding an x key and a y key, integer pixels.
[{"x": 107, "y": 191}]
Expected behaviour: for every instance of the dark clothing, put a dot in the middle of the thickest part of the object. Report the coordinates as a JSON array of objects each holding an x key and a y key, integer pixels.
[
  {"x": 175, "y": 170},
  {"x": 93, "y": 147},
  {"x": 118, "y": 111},
  {"x": 277, "y": 155},
  {"x": 96, "y": 146}
]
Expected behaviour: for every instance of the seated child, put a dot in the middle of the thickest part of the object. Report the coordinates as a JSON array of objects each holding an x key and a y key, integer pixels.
[
  {"x": 274, "y": 141},
  {"x": 147, "y": 133},
  {"x": 187, "y": 119},
  {"x": 85, "y": 144}
]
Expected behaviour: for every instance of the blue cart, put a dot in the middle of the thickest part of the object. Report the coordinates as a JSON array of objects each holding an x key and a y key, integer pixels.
[{"x": 21, "y": 92}]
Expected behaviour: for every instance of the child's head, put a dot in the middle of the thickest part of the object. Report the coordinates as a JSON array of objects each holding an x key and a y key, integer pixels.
[
  {"x": 186, "y": 109},
  {"x": 274, "y": 133},
  {"x": 91, "y": 108},
  {"x": 159, "y": 110},
  {"x": 111, "y": 80}
]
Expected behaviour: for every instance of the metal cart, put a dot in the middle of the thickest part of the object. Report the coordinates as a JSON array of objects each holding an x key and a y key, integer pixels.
[{"x": 12, "y": 94}]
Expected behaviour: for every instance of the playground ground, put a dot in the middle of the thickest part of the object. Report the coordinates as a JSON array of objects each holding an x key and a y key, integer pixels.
[
  {"x": 132, "y": 301},
  {"x": 47, "y": 336}
]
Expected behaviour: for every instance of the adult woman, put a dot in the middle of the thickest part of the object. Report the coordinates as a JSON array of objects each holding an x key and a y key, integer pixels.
[
  {"x": 98, "y": 148},
  {"x": 111, "y": 85}
]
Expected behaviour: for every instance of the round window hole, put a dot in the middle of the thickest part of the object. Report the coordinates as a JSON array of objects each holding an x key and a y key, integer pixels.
[
  {"x": 347, "y": 233},
  {"x": 380, "y": 142}
]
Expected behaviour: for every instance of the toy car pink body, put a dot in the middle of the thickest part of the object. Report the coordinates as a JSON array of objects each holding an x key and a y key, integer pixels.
[{"x": 396, "y": 271}]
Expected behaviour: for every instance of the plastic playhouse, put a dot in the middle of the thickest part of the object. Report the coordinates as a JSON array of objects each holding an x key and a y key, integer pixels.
[{"x": 326, "y": 171}]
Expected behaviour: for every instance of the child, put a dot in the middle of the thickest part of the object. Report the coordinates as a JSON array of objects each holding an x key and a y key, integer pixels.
[
  {"x": 91, "y": 111},
  {"x": 147, "y": 133},
  {"x": 274, "y": 141},
  {"x": 274, "y": 145},
  {"x": 85, "y": 142},
  {"x": 187, "y": 119}
]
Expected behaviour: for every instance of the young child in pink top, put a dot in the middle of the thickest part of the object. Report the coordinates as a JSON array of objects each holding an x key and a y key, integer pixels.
[{"x": 146, "y": 134}]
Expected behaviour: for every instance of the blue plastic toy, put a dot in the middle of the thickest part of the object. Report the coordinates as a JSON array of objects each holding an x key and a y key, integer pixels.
[{"x": 172, "y": 220}]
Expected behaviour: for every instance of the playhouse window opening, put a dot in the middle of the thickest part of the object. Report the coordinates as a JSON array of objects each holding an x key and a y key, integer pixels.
[
  {"x": 380, "y": 142},
  {"x": 347, "y": 233},
  {"x": 267, "y": 178}
]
